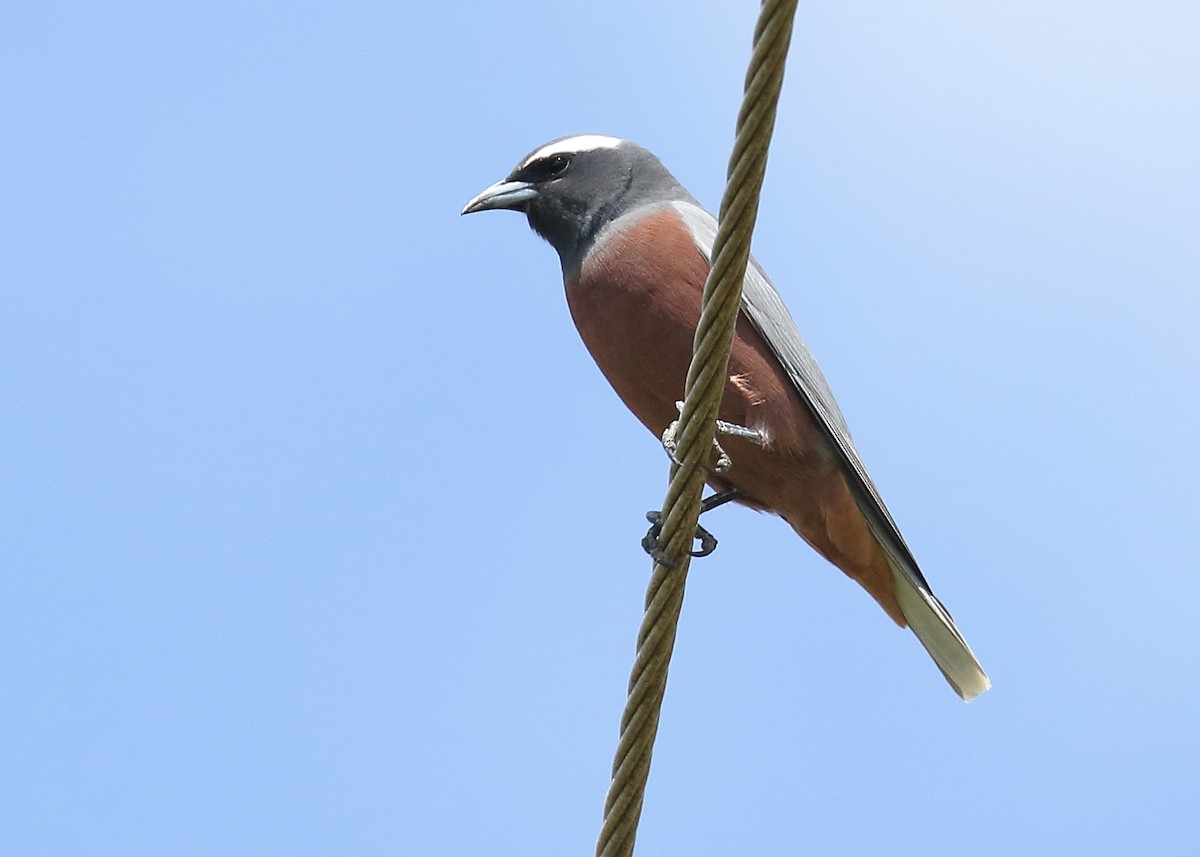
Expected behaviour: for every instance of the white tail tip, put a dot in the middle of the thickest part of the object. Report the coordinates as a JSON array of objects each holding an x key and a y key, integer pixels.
[{"x": 935, "y": 629}]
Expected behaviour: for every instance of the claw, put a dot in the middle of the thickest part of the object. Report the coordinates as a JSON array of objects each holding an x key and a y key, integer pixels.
[
  {"x": 724, "y": 462},
  {"x": 668, "y": 441},
  {"x": 708, "y": 542}
]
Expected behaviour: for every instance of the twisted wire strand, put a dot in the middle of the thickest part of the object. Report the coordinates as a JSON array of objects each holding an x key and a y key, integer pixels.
[{"x": 697, "y": 426}]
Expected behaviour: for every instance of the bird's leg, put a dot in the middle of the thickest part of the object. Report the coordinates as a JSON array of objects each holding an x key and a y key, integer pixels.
[
  {"x": 756, "y": 436},
  {"x": 708, "y": 542}
]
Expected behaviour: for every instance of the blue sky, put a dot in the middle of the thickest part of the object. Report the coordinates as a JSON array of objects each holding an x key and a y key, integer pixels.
[{"x": 320, "y": 528}]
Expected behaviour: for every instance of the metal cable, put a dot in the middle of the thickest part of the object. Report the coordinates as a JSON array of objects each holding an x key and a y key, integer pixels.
[{"x": 697, "y": 426}]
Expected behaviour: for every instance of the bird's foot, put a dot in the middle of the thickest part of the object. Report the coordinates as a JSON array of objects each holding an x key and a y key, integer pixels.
[
  {"x": 651, "y": 545},
  {"x": 708, "y": 542},
  {"x": 755, "y": 436}
]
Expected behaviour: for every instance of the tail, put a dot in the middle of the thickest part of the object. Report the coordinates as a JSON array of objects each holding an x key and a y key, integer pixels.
[{"x": 935, "y": 629}]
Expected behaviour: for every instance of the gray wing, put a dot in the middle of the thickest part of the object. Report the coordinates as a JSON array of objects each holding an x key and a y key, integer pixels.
[{"x": 766, "y": 311}]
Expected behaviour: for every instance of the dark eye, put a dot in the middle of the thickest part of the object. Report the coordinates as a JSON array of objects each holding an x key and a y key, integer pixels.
[{"x": 556, "y": 165}]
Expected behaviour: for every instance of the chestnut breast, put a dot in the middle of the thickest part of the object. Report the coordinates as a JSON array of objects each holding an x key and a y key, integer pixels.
[{"x": 636, "y": 303}]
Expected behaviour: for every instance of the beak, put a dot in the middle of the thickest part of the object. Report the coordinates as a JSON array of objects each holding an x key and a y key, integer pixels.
[{"x": 505, "y": 194}]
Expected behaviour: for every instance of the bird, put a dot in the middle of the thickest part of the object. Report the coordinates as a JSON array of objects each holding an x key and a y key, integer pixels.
[{"x": 635, "y": 248}]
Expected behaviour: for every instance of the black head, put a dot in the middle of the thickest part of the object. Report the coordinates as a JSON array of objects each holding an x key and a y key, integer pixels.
[{"x": 572, "y": 187}]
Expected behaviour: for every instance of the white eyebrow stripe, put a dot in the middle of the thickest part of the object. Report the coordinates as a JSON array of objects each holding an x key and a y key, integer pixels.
[{"x": 572, "y": 145}]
